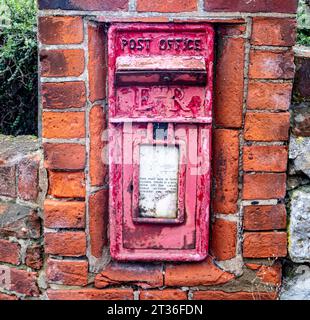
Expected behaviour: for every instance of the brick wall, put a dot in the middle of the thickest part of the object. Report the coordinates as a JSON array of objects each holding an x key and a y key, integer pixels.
[{"x": 254, "y": 71}]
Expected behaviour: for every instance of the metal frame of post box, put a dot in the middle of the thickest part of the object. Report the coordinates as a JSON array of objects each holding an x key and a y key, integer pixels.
[{"x": 196, "y": 191}]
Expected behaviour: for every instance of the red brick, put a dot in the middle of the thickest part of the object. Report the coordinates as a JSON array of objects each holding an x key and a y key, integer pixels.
[
  {"x": 229, "y": 30},
  {"x": 91, "y": 294},
  {"x": 62, "y": 63},
  {"x": 168, "y": 294},
  {"x": 63, "y": 125},
  {"x": 224, "y": 238},
  {"x": 273, "y": 31},
  {"x": 264, "y": 186},
  {"x": 4, "y": 297},
  {"x": 98, "y": 220},
  {"x": 101, "y": 5},
  {"x": 265, "y": 158},
  {"x": 65, "y": 272},
  {"x": 271, "y": 274},
  {"x": 9, "y": 252},
  {"x": 167, "y": 6},
  {"x": 28, "y": 178},
  {"x": 271, "y": 64},
  {"x": 97, "y": 65},
  {"x": 282, "y": 6},
  {"x": 221, "y": 295},
  {"x": 61, "y": 30},
  {"x": 63, "y": 95},
  {"x": 7, "y": 181},
  {"x": 196, "y": 274},
  {"x": 267, "y": 126},
  {"x": 259, "y": 218},
  {"x": 60, "y": 214},
  {"x": 24, "y": 282},
  {"x": 229, "y": 83},
  {"x": 142, "y": 275},
  {"x": 269, "y": 96},
  {"x": 225, "y": 164},
  {"x": 34, "y": 257},
  {"x": 64, "y": 156},
  {"x": 67, "y": 184},
  {"x": 98, "y": 161},
  {"x": 71, "y": 244},
  {"x": 265, "y": 244}
]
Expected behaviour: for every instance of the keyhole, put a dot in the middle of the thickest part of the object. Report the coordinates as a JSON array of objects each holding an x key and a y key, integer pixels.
[{"x": 160, "y": 131}]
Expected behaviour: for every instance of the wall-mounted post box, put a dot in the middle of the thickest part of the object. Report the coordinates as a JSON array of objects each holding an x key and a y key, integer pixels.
[{"x": 160, "y": 115}]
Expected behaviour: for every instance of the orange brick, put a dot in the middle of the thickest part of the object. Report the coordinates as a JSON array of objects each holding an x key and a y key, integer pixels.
[
  {"x": 265, "y": 244},
  {"x": 273, "y": 31},
  {"x": 269, "y": 96},
  {"x": 62, "y": 63},
  {"x": 224, "y": 239},
  {"x": 167, "y": 6},
  {"x": 261, "y": 218},
  {"x": 221, "y": 295},
  {"x": 265, "y": 158},
  {"x": 267, "y": 126},
  {"x": 168, "y": 294},
  {"x": 60, "y": 214},
  {"x": 228, "y": 99},
  {"x": 225, "y": 164},
  {"x": 61, "y": 30},
  {"x": 264, "y": 186},
  {"x": 271, "y": 274},
  {"x": 71, "y": 244},
  {"x": 65, "y": 125},
  {"x": 7, "y": 297},
  {"x": 67, "y": 184},
  {"x": 271, "y": 64}
]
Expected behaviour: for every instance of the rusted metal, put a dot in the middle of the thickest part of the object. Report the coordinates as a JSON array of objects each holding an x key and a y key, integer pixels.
[{"x": 160, "y": 78}]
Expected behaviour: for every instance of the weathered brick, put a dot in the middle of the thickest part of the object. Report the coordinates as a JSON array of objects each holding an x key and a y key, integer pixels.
[
  {"x": 60, "y": 214},
  {"x": 64, "y": 156},
  {"x": 267, "y": 126},
  {"x": 65, "y": 272},
  {"x": 195, "y": 274},
  {"x": 28, "y": 178},
  {"x": 271, "y": 274},
  {"x": 9, "y": 252},
  {"x": 61, "y": 30},
  {"x": 225, "y": 164},
  {"x": 101, "y": 5},
  {"x": 269, "y": 96},
  {"x": 7, "y": 180},
  {"x": 228, "y": 99},
  {"x": 71, "y": 244},
  {"x": 265, "y": 244},
  {"x": 224, "y": 239},
  {"x": 24, "y": 282},
  {"x": 91, "y": 294},
  {"x": 34, "y": 257},
  {"x": 63, "y": 95},
  {"x": 97, "y": 65},
  {"x": 281, "y": 6},
  {"x": 63, "y": 125},
  {"x": 273, "y": 31},
  {"x": 98, "y": 217},
  {"x": 241, "y": 295},
  {"x": 167, "y": 294},
  {"x": 264, "y": 186},
  {"x": 4, "y": 297},
  {"x": 228, "y": 30},
  {"x": 62, "y": 63},
  {"x": 98, "y": 162},
  {"x": 67, "y": 184},
  {"x": 265, "y": 158},
  {"x": 167, "y": 6},
  {"x": 260, "y": 218},
  {"x": 271, "y": 64},
  {"x": 142, "y": 275}
]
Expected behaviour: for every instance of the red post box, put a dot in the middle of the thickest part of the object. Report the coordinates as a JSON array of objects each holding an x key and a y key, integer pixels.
[{"x": 160, "y": 115}]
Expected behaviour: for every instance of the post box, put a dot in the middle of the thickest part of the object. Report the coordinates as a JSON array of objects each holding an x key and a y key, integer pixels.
[{"x": 160, "y": 115}]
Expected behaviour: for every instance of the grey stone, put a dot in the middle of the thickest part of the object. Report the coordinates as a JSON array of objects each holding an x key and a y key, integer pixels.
[
  {"x": 299, "y": 153},
  {"x": 296, "y": 285},
  {"x": 299, "y": 227}
]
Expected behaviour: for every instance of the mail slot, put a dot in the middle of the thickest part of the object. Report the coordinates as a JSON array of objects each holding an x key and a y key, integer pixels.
[{"x": 160, "y": 115}]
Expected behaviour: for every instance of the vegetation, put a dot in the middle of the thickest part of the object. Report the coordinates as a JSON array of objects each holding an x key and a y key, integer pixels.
[
  {"x": 303, "y": 35},
  {"x": 18, "y": 67}
]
